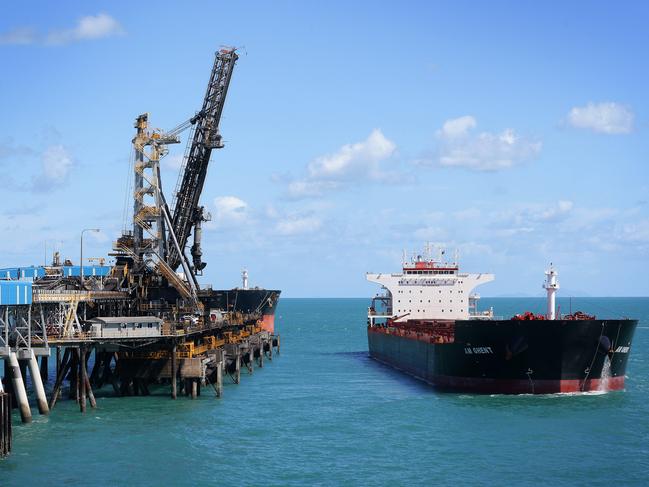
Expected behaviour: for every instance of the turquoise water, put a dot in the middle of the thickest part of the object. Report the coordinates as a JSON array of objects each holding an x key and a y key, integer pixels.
[{"x": 323, "y": 413}]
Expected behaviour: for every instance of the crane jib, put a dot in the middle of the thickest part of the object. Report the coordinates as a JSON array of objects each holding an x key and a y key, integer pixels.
[{"x": 187, "y": 213}]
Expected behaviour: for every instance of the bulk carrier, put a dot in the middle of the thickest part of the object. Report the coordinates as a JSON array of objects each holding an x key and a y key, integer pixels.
[
  {"x": 250, "y": 301},
  {"x": 427, "y": 324}
]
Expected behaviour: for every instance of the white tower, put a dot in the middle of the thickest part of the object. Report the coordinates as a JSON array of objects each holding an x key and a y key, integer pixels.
[
  {"x": 244, "y": 278},
  {"x": 551, "y": 284}
]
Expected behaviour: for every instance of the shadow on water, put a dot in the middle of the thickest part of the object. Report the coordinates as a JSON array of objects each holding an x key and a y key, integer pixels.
[{"x": 361, "y": 354}]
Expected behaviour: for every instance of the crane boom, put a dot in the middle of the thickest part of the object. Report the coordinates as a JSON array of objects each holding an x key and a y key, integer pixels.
[{"x": 187, "y": 213}]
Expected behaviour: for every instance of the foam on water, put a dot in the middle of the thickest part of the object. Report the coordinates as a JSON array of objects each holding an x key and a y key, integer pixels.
[{"x": 605, "y": 376}]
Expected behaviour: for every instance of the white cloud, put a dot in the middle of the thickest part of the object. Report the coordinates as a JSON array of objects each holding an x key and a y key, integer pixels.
[
  {"x": 18, "y": 36},
  {"x": 361, "y": 157},
  {"x": 56, "y": 164},
  {"x": 88, "y": 28},
  {"x": 606, "y": 118},
  {"x": 457, "y": 127},
  {"x": 295, "y": 225},
  {"x": 229, "y": 209},
  {"x": 484, "y": 151},
  {"x": 359, "y": 161}
]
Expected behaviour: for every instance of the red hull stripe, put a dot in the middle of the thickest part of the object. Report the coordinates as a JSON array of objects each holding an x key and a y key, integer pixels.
[
  {"x": 268, "y": 323},
  {"x": 506, "y": 386}
]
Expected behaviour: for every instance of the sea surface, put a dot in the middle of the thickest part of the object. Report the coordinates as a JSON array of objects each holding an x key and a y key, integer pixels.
[{"x": 323, "y": 413}]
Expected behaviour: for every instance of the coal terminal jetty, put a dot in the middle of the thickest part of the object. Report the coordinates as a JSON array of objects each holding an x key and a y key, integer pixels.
[
  {"x": 128, "y": 353},
  {"x": 144, "y": 320}
]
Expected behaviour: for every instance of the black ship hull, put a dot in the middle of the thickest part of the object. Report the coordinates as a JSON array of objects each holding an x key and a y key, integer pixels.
[
  {"x": 510, "y": 356},
  {"x": 251, "y": 302}
]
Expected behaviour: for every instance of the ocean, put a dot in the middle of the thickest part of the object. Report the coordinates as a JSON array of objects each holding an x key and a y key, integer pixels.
[{"x": 323, "y": 413}]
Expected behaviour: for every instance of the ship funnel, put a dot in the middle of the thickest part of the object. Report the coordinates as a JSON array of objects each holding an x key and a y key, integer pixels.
[{"x": 551, "y": 285}]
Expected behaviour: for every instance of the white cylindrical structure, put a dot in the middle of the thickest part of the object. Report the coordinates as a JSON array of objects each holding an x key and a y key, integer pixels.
[
  {"x": 551, "y": 285},
  {"x": 19, "y": 389},
  {"x": 37, "y": 382},
  {"x": 244, "y": 278}
]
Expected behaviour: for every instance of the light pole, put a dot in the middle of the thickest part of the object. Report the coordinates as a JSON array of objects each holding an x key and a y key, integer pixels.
[{"x": 81, "y": 257}]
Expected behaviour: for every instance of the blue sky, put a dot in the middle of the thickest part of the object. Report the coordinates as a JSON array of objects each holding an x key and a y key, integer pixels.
[{"x": 512, "y": 131}]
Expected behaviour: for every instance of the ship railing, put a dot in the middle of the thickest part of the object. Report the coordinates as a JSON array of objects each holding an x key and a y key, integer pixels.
[{"x": 485, "y": 315}]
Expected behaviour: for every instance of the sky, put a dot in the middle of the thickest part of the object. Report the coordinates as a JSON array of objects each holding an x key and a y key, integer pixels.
[{"x": 514, "y": 132}]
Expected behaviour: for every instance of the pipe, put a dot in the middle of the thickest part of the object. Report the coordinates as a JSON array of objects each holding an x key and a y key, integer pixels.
[{"x": 37, "y": 383}]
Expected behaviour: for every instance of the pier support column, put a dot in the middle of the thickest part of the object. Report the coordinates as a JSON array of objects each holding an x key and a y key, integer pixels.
[
  {"x": 251, "y": 358},
  {"x": 261, "y": 353},
  {"x": 83, "y": 373},
  {"x": 194, "y": 388},
  {"x": 37, "y": 383},
  {"x": 237, "y": 367},
  {"x": 73, "y": 393},
  {"x": 45, "y": 366},
  {"x": 5, "y": 423},
  {"x": 19, "y": 389},
  {"x": 174, "y": 370},
  {"x": 91, "y": 395},
  {"x": 58, "y": 361},
  {"x": 219, "y": 379},
  {"x": 270, "y": 349},
  {"x": 63, "y": 368},
  {"x": 277, "y": 344}
]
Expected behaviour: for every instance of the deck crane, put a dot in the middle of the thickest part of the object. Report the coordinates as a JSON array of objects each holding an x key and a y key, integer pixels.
[{"x": 187, "y": 214}]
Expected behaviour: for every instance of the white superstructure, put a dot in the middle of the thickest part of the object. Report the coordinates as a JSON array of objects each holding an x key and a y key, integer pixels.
[
  {"x": 551, "y": 284},
  {"x": 428, "y": 289}
]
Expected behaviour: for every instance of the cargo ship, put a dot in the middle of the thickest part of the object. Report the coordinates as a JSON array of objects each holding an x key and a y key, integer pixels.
[
  {"x": 426, "y": 323},
  {"x": 253, "y": 301}
]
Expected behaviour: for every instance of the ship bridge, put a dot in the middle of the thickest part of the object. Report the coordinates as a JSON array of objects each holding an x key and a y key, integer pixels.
[{"x": 426, "y": 289}]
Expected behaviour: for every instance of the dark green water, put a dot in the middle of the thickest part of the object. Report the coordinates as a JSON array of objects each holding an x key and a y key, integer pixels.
[{"x": 322, "y": 413}]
